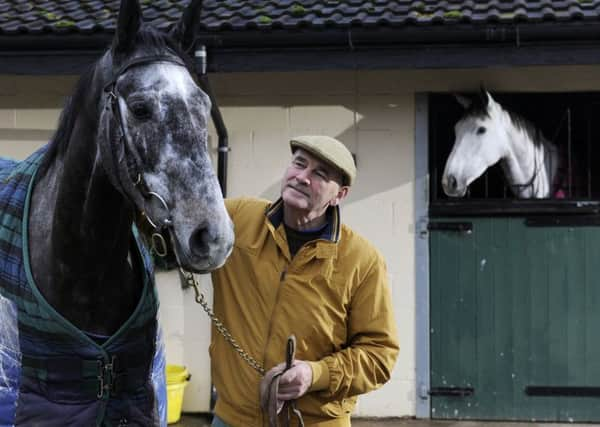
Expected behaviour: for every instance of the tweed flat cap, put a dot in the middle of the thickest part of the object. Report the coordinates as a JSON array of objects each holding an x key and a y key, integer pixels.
[{"x": 330, "y": 150}]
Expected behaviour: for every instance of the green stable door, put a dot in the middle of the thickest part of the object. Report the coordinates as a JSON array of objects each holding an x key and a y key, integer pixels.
[{"x": 515, "y": 320}]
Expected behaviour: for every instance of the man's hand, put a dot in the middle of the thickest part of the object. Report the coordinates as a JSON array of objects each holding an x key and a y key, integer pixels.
[{"x": 294, "y": 382}]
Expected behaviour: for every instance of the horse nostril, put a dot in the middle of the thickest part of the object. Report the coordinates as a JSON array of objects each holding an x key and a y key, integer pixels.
[
  {"x": 199, "y": 242},
  {"x": 452, "y": 182}
]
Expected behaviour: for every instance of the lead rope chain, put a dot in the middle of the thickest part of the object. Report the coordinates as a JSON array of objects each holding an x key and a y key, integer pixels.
[
  {"x": 190, "y": 281},
  {"x": 160, "y": 248},
  {"x": 290, "y": 349}
]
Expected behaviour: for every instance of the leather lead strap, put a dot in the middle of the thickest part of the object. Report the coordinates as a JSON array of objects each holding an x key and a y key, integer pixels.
[
  {"x": 270, "y": 404},
  {"x": 290, "y": 406}
]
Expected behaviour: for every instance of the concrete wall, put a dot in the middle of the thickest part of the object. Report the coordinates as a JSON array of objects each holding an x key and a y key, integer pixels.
[
  {"x": 29, "y": 110},
  {"x": 372, "y": 112}
]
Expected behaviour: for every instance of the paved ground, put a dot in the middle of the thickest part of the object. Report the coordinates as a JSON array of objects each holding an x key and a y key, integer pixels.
[{"x": 204, "y": 421}]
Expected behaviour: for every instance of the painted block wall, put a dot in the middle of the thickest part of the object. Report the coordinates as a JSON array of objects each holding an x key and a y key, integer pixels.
[
  {"x": 378, "y": 128},
  {"x": 372, "y": 112},
  {"x": 29, "y": 111}
]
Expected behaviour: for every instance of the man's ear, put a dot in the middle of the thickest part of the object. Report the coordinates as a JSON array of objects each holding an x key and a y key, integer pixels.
[{"x": 341, "y": 195}]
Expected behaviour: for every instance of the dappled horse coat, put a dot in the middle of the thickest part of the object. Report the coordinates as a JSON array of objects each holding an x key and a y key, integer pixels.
[{"x": 51, "y": 373}]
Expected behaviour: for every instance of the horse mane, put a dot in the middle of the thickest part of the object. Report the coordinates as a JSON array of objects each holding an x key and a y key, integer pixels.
[
  {"x": 476, "y": 109},
  {"x": 66, "y": 122},
  {"x": 532, "y": 131},
  {"x": 149, "y": 41}
]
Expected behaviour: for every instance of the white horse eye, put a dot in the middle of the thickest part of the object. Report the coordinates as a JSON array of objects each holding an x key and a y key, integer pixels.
[{"x": 480, "y": 130}]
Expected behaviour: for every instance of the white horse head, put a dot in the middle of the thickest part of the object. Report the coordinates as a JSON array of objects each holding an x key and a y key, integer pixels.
[{"x": 488, "y": 134}]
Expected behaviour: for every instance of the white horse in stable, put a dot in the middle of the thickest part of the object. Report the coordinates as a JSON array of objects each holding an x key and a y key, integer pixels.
[{"x": 488, "y": 134}]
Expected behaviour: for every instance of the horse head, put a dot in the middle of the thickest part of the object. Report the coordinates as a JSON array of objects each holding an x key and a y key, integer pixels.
[
  {"x": 480, "y": 142},
  {"x": 153, "y": 137}
]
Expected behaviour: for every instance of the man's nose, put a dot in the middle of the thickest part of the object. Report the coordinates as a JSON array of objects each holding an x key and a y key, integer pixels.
[{"x": 303, "y": 176}]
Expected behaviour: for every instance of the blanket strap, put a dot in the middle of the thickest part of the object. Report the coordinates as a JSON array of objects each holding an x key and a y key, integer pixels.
[{"x": 74, "y": 378}]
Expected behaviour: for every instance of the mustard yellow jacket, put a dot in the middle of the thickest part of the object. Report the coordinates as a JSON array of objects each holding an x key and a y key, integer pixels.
[{"x": 333, "y": 296}]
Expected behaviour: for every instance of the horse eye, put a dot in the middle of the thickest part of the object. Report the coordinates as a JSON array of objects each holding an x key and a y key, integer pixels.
[
  {"x": 141, "y": 110},
  {"x": 480, "y": 130}
]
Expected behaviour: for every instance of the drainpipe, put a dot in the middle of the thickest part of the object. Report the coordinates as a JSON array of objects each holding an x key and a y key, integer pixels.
[{"x": 215, "y": 113}]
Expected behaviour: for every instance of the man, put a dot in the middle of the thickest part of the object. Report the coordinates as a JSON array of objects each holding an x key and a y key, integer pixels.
[{"x": 296, "y": 270}]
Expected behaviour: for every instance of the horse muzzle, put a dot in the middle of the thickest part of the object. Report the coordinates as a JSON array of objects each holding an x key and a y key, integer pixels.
[
  {"x": 206, "y": 248},
  {"x": 452, "y": 187}
]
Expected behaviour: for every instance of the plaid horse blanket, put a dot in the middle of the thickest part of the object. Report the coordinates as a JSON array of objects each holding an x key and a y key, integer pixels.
[{"x": 52, "y": 373}]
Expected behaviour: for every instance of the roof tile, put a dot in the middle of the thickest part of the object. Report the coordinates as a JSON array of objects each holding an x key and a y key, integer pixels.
[{"x": 22, "y": 17}]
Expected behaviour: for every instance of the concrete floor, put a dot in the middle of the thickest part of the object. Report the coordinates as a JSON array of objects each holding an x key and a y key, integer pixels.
[{"x": 189, "y": 420}]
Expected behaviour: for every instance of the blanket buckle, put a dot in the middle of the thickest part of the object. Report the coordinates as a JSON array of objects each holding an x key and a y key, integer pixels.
[{"x": 106, "y": 377}]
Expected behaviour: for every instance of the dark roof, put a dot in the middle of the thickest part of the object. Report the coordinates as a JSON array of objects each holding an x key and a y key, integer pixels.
[
  {"x": 258, "y": 35},
  {"x": 18, "y": 17}
]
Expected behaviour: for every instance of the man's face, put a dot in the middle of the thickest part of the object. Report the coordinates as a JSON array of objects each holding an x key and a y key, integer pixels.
[{"x": 311, "y": 185}]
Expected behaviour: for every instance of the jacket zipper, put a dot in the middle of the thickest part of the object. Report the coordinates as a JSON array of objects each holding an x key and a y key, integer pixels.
[
  {"x": 281, "y": 281},
  {"x": 280, "y": 284}
]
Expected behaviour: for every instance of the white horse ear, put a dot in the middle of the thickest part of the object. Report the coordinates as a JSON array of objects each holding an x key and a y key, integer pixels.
[
  {"x": 491, "y": 102},
  {"x": 463, "y": 100},
  {"x": 128, "y": 24},
  {"x": 485, "y": 95}
]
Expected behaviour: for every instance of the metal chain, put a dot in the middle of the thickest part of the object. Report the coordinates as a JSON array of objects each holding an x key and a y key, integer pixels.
[{"x": 191, "y": 282}]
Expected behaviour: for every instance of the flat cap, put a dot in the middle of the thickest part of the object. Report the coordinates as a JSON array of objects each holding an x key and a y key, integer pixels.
[{"x": 330, "y": 150}]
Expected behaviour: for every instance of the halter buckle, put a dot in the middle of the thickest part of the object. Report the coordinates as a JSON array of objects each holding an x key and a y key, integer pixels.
[
  {"x": 112, "y": 95},
  {"x": 159, "y": 245},
  {"x": 106, "y": 377}
]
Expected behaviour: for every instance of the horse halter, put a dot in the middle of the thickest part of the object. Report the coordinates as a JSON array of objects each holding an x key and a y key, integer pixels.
[
  {"x": 115, "y": 161},
  {"x": 537, "y": 166},
  {"x": 122, "y": 162},
  {"x": 530, "y": 183}
]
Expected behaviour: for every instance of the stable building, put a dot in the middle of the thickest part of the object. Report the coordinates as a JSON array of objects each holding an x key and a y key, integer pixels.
[{"x": 496, "y": 297}]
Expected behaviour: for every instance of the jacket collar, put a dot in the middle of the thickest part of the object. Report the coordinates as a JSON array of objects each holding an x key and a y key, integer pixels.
[{"x": 331, "y": 232}]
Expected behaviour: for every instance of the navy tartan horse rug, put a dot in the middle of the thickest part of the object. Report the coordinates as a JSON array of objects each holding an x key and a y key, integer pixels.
[{"x": 52, "y": 373}]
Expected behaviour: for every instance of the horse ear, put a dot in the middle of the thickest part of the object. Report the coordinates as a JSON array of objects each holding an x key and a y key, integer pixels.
[
  {"x": 484, "y": 96},
  {"x": 463, "y": 100},
  {"x": 183, "y": 32},
  {"x": 128, "y": 24},
  {"x": 482, "y": 89}
]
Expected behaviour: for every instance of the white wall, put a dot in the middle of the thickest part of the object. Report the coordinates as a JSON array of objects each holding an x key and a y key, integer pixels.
[
  {"x": 29, "y": 110},
  {"x": 263, "y": 111},
  {"x": 372, "y": 112}
]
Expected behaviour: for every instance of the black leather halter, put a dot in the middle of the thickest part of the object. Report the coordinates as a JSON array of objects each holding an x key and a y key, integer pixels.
[{"x": 119, "y": 159}]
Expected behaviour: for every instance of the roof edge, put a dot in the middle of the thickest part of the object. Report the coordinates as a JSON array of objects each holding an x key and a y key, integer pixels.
[{"x": 456, "y": 46}]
